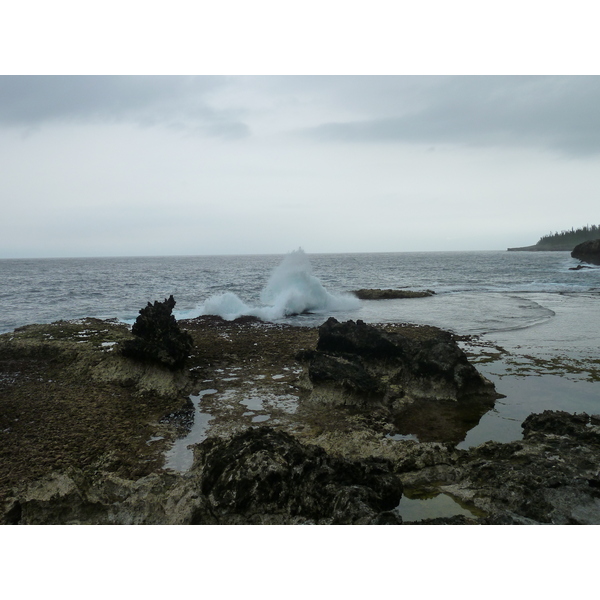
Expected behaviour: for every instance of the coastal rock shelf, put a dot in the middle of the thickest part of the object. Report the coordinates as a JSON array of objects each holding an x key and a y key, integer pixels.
[
  {"x": 84, "y": 430},
  {"x": 264, "y": 476}
]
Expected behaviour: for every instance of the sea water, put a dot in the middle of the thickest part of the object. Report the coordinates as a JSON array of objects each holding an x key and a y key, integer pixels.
[
  {"x": 476, "y": 292},
  {"x": 532, "y": 304}
]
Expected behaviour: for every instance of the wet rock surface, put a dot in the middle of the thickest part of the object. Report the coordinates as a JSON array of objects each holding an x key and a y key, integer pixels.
[
  {"x": 552, "y": 476},
  {"x": 69, "y": 399},
  {"x": 409, "y": 381},
  {"x": 265, "y": 476}
]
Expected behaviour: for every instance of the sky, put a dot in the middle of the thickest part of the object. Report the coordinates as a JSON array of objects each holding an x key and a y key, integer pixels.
[{"x": 196, "y": 165}]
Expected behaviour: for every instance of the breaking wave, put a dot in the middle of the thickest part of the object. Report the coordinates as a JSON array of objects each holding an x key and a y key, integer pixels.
[{"x": 292, "y": 289}]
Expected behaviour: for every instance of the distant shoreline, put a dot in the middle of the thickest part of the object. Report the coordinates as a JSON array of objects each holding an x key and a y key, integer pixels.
[
  {"x": 564, "y": 241},
  {"x": 536, "y": 248}
]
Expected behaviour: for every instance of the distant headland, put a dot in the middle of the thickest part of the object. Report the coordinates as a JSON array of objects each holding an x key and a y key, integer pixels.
[{"x": 562, "y": 241}]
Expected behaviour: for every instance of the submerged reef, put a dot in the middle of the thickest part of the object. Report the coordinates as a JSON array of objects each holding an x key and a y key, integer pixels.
[
  {"x": 84, "y": 430},
  {"x": 388, "y": 294}
]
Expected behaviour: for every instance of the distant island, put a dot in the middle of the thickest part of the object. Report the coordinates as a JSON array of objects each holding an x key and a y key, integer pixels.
[{"x": 563, "y": 241}]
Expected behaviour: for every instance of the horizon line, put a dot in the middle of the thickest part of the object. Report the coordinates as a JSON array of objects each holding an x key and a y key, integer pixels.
[{"x": 104, "y": 256}]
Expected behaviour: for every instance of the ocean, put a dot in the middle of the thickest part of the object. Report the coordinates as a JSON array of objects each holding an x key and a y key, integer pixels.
[{"x": 542, "y": 313}]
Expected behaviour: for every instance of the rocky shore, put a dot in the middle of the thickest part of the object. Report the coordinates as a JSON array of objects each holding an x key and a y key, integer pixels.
[
  {"x": 304, "y": 425},
  {"x": 558, "y": 247}
]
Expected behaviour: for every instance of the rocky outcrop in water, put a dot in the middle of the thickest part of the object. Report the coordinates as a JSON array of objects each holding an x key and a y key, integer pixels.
[
  {"x": 158, "y": 338},
  {"x": 356, "y": 364},
  {"x": 376, "y": 294},
  {"x": 588, "y": 252}
]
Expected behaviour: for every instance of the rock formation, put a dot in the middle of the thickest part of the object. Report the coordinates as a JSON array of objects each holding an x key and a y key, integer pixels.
[
  {"x": 158, "y": 337},
  {"x": 551, "y": 476},
  {"x": 588, "y": 252},
  {"x": 376, "y": 294},
  {"x": 266, "y": 475},
  {"x": 356, "y": 364}
]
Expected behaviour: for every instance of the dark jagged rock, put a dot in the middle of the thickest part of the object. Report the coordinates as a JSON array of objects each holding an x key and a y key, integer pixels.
[
  {"x": 561, "y": 423},
  {"x": 551, "y": 476},
  {"x": 347, "y": 373},
  {"x": 376, "y": 294},
  {"x": 588, "y": 252},
  {"x": 158, "y": 338},
  {"x": 425, "y": 387},
  {"x": 365, "y": 364},
  {"x": 264, "y": 474}
]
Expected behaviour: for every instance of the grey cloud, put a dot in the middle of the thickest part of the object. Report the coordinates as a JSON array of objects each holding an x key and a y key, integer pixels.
[
  {"x": 558, "y": 113},
  {"x": 554, "y": 112},
  {"x": 174, "y": 101}
]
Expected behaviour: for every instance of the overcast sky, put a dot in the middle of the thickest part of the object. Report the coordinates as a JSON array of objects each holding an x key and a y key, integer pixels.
[{"x": 114, "y": 166}]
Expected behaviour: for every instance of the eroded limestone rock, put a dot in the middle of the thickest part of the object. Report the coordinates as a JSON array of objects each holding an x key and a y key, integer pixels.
[
  {"x": 357, "y": 364},
  {"x": 265, "y": 476},
  {"x": 265, "y": 473},
  {"x": 158, "y": 338},
  {"x": 261, "y": 476}
]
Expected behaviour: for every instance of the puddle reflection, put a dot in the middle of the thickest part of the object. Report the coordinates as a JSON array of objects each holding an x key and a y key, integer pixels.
[{"x": 180, "y": 457}]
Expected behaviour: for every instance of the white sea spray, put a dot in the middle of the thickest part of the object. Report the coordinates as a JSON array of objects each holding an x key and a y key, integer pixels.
[{"x": 292, "y": 289}]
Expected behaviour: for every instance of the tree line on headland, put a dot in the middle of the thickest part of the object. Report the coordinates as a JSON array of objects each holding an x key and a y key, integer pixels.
[{"x": 564, "y": 240}]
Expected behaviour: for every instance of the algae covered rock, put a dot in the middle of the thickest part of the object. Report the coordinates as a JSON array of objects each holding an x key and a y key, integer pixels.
[
  {"x": 158, "y": 338},
  {"x": 263, "y": 475},
  {"x": 260, "y": 476},
  {"x": 422, "y": 385},
  {"x": 266, "y": 476}
]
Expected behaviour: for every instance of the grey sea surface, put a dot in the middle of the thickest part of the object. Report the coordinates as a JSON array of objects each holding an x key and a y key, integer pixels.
[{"x": 541, "y": 313}]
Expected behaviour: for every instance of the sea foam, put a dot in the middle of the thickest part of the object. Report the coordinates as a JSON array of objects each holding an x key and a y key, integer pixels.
[{"x": 292, "y": 289}]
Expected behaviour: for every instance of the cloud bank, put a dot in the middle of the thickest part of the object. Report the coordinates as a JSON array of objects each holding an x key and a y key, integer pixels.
[{"x": 554, "y": 113}]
